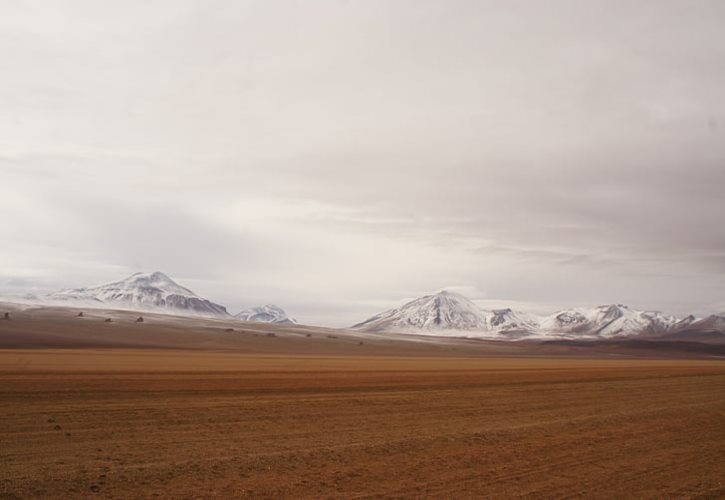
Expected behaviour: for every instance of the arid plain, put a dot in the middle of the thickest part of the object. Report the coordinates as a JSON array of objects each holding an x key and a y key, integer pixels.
[{"x": 198, "y": 409}]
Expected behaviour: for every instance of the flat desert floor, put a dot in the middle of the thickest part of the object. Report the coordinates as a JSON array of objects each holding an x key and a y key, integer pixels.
[{"x": 144, "y": 423}]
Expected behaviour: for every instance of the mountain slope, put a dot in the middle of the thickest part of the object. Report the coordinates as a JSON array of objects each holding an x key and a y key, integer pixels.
[
  {"x": 510, "y": 323},
  {"x": 143, "y": 292},
  {"x": 265, "y": 314},
  {"x": 440, "y": 312},
  {"x": 613, "y": 320},
  {"x": 710, "y": 328}
]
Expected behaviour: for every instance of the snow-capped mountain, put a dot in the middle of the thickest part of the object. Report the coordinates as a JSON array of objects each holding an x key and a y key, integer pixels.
[
  {"x": 440, "y": 312},
  {"x": 265, "y": 314},
  {"x": 613, "y": 320},
  {"x": 154, "y": 292},
  {"x": 449, "y": 314}
]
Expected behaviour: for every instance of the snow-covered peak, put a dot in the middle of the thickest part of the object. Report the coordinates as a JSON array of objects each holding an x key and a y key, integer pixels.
[
  {"x": 610, "y": 312},
  {"x": 442, "y": 311},
  {"x": 269, "y": 313},
  {"x": 141, "y": 291},
  {"x": 137, "y": 284},
  {"x": 452, "y": 314},
  {"x": 156, "y": 280}
]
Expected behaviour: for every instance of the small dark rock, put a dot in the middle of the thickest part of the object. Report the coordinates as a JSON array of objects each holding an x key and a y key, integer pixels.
[
  {"x": 57, "y": 428},
  {"x": 6, "y": 316},
  {"x": 51, "y": 420},
  {"x": 80, "y": 314},
  {"x": 107, "y": 320},
  {"x": 229, "y": 329},
  {"x": 95, "y": 488},
  {"x": 140, "y": 319}
]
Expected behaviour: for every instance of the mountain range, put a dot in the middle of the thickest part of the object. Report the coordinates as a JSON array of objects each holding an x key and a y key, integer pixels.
[
  {"x": 154, "y": 292},
  {"x": 451, "y": 314},
  {"x": 442, "y": 314}
]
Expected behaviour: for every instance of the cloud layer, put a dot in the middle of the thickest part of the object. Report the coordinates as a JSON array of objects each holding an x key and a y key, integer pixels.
[{"x": 338, "y": 157}]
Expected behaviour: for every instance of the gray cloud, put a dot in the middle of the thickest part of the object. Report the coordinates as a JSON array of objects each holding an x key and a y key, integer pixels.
[{"x": 335, "y": 157}]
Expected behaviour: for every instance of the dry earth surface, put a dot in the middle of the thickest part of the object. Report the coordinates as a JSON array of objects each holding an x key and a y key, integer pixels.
[
  {"x": 141, "y": 423},
  {"x": 191, "y": 408}
]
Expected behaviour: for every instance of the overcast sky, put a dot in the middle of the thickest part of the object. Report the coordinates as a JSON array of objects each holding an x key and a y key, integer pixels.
[{"x": 338, "y": 157}]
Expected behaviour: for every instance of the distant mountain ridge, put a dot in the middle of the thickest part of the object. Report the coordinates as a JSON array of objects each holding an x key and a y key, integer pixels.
[
  {"x": 611, "y": 320},
  {"x": 153, "y": 292},
  {"x": 451, "y": 314},
  {"x": 442, "y": 314}
]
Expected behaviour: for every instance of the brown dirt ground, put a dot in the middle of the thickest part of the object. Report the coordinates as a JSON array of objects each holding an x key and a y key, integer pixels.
[
  {"x": 122, "y": 423},
  {"x": 61, "y": 328}
]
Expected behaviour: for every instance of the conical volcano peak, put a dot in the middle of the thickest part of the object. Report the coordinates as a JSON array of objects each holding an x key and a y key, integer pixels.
[
  {"x": 153, "y": 291},
  {"x": 444, "y": 310}
]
